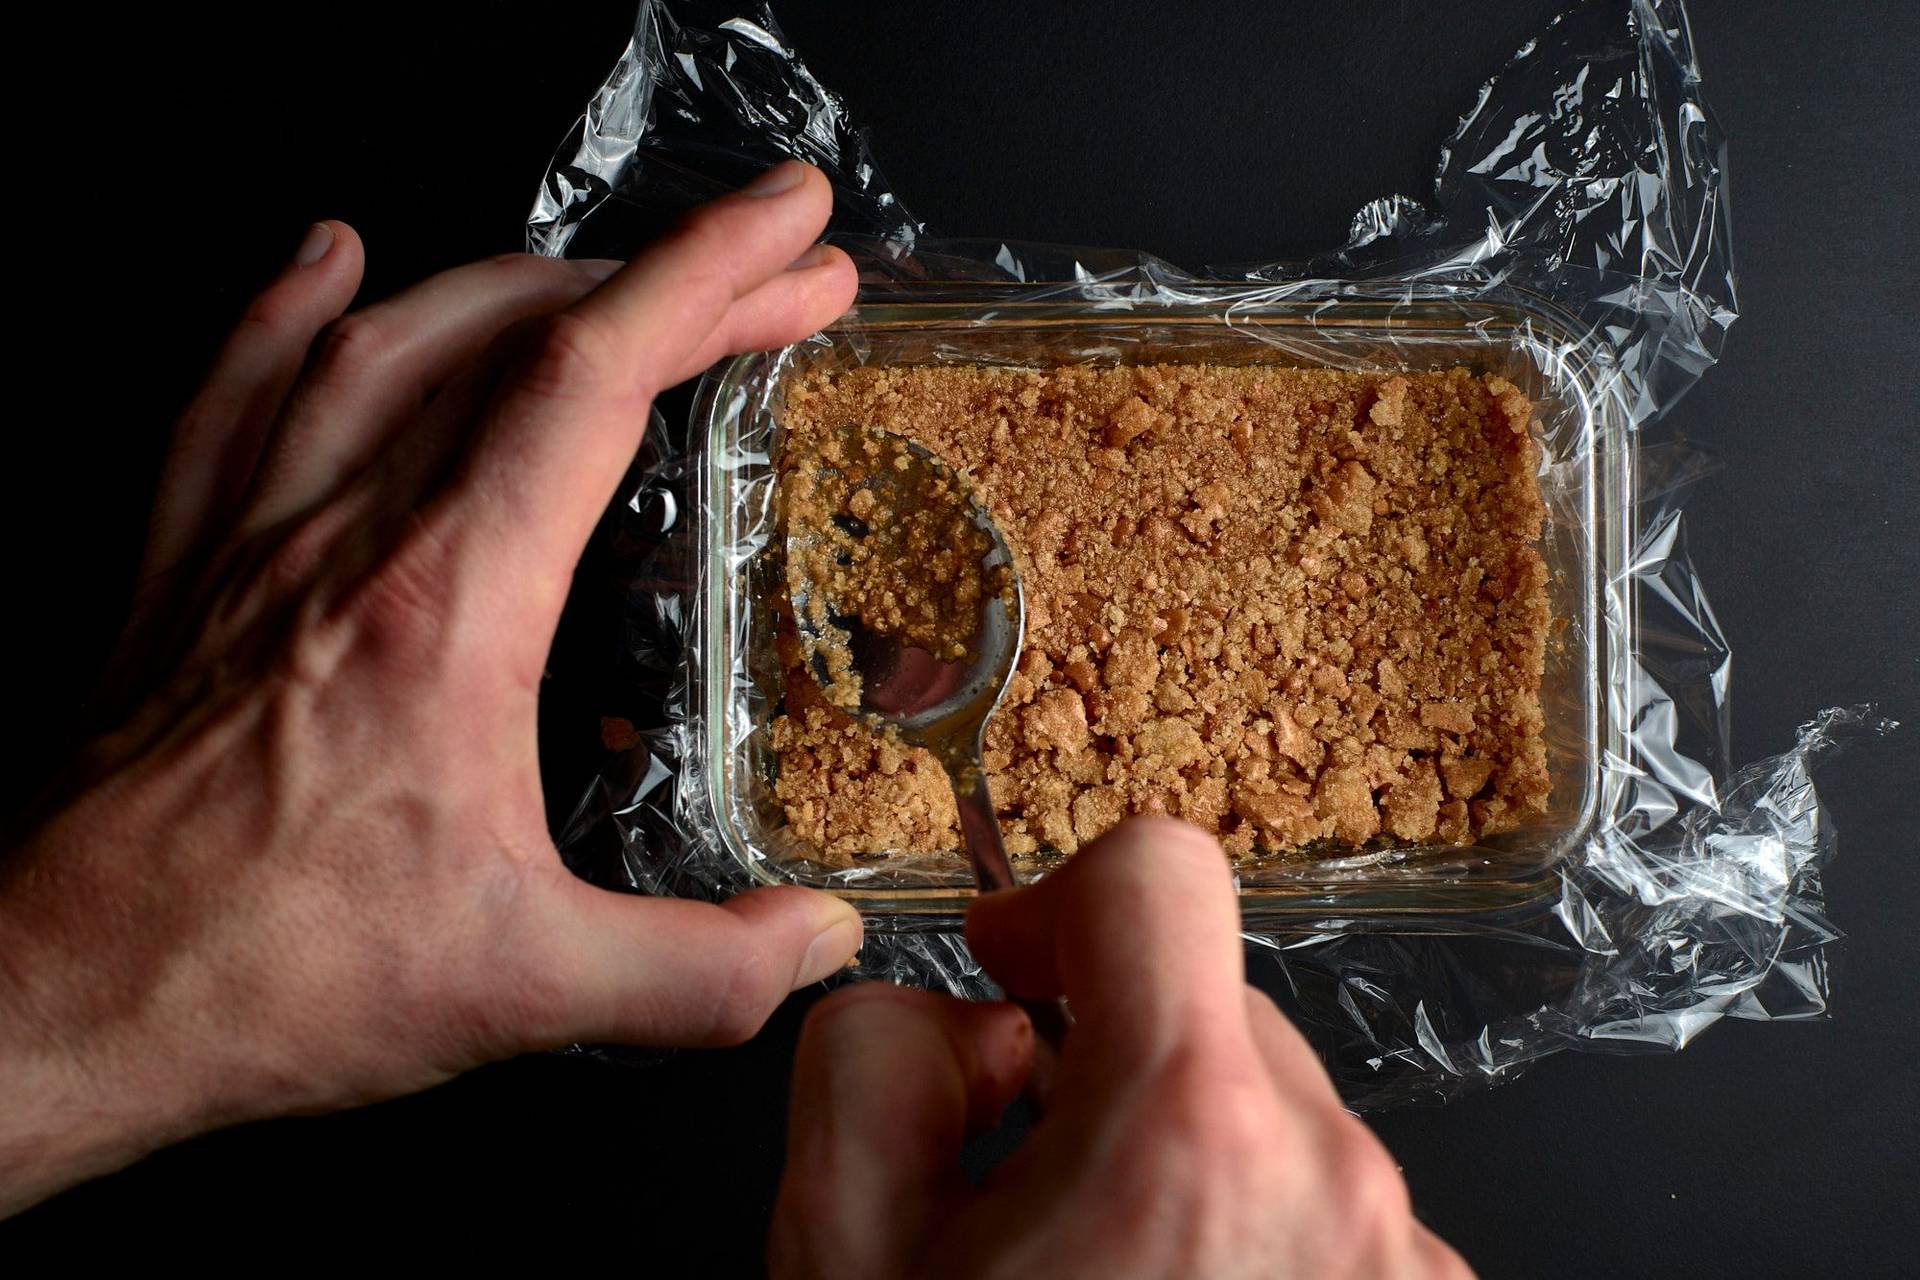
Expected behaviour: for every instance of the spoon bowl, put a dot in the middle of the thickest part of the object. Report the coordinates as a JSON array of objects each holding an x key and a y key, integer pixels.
[{"x": 935, "y": 689}]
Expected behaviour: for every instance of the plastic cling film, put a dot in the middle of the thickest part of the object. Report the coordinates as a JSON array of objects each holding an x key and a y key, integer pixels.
[
  {"x": 1575, "y": 241},
  {"x": 1584, "y": 441}
]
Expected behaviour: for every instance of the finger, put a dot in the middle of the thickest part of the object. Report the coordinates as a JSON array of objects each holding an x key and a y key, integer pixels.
[
  {"x": 819, "y": 283},
  {"x": 215, "y": 447},
  {"x": 672, "y": 972},
  {"x": 1140, "y": 932},
  {"x": 415, "y": 464},
  {"x": 887, "y": 1085},
  {"x": 560, "y": 435},
  {"x": 682, "y": 288},
  {"x": 373, "y": 371}
]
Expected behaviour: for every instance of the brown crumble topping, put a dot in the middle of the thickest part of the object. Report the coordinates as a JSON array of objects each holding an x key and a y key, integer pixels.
[{"x": 1289, "y": 605}]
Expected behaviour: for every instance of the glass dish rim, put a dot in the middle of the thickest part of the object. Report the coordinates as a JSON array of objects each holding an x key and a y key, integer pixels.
[{"x": 1388, "y": 307}]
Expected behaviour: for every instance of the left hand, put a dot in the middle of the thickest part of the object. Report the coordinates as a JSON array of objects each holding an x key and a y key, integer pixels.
[{"x": 310, "y": 866}]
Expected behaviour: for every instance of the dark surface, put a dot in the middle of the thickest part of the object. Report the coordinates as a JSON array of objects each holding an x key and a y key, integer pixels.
[{"x": 179, "y": 160}]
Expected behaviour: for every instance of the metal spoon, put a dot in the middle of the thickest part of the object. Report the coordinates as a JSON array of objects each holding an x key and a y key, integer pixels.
[{"x": 937, "y": 700}]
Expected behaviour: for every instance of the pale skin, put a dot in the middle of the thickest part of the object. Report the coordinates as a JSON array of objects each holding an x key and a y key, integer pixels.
[{"x": 307, "y": 866}]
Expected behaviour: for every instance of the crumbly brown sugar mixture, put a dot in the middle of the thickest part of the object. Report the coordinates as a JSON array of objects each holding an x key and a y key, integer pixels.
[
  {"x": 1288, "y": 605},
  {"x": 877, "y": 535}
]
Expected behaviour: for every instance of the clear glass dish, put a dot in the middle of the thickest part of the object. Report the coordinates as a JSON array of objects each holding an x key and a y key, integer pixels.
[{"x": 1586, "y": 477}]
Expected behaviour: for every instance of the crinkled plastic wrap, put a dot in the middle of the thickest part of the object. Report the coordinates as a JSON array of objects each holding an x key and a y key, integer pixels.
[{"x": 1576, "y": 241}]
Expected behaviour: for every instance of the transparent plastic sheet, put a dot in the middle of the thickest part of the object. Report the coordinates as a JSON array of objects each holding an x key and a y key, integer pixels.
[{"x": 1576, "y": 241}]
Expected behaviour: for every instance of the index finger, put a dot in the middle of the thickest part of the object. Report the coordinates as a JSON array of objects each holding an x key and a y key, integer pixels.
[
  {"x": 1140, "y": 932},
  {"x": 887, "y": 1083},
  {"x": 735, "y": 275}
]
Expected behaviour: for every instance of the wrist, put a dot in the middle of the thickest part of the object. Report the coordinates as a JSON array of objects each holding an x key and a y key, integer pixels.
[
  {"x": 91, "y": 1079},
  {"x": 55, "y": 1128},
  {"x": 75, "y": 1106}
]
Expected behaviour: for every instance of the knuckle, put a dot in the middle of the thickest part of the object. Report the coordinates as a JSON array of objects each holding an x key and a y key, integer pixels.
[
  {"x": 1220, "y": 1116},
  {"x": 299, "y": 556},
  {"x": 1231, "y": 1124},
  {"x": 405, "y": 604},
  {"x": 278, "y": 309},
  {"x": 573, "y": 358},
  {"x": 351, "y": 347}
]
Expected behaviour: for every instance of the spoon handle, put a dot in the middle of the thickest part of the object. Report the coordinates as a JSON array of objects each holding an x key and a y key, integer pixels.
[
  {"x": 981, "y": 829},
  {"x": 992, "y": 871}
]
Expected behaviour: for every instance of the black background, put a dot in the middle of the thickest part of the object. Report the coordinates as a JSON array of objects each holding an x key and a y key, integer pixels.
[{"x": 176, "y": 157}]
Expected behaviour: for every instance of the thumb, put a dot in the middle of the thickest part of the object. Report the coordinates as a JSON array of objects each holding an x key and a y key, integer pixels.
[
  {"x": 887, "y": 1083},
  {"x": 670, "y": 972}
]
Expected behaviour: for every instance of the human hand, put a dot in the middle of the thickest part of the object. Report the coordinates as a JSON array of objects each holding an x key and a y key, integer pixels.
[
  {"x": 1189, "y": 1130},
  {"x": 310, "y": 867}
]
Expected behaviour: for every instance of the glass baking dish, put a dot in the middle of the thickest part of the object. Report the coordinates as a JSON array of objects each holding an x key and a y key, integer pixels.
[{"x": 1389, "y": 325}]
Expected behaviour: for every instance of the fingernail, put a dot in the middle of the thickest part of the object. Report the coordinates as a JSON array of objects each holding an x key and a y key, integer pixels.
[
  {"x": 784, "y": 176},
  {"x": 830, "y": 950},
  {"x": 314, "y": 247},
  {"x": 598, "y": 268}
]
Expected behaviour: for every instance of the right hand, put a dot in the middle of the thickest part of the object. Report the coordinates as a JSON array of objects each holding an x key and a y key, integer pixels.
[{"x": 1189, "y": 1130}]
